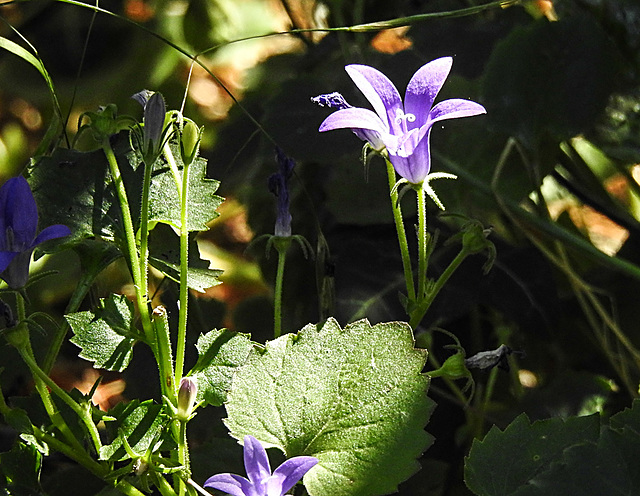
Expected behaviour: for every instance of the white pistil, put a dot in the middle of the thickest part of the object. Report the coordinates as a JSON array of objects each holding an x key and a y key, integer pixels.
[{"x": 401, "y": 116}]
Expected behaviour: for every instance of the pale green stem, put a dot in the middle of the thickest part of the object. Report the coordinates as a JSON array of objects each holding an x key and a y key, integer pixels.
[
  {"x": 421, "y": 309},
  {"x": 79, "y": 456},
  {"x": 144, "y": 229},
  {"x": 163, "y": 486},
  {"x": 402, "y": 236},
  {"x": 277, "y": 297},
  {"x": 184, "y": 267},
  {"x": 130, "y": 237},
  {"x": 26, "y": 351},
  {"x": 83, "y": 415},
  {"x": 183, "y": 455},
  {"x": 422, "y": 244}
]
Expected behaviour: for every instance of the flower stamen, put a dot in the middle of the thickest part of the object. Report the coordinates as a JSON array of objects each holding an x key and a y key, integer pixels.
[{"x": 401, "y": 116}]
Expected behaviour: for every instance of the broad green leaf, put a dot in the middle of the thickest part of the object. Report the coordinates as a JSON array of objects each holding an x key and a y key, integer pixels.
[
  {"x": 608, "y": 466},
  {"x": 164, "y": 201},
  {"x": 164, "y": 247},
  {"x": 140, "y": 423},
  {"x": 526, "y": 449},
  {"x": 106, "y": 336},
  {"x": 355, "y": 398},
  {"x": 220, "y": 353},
  {"x": 85, "y": 205},
  {"x": 197, "y": 278}
]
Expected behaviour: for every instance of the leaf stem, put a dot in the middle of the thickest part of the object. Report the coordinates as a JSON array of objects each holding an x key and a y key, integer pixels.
[
  {"x": 431, "y": 294},
  {"x": 402, "y": 236},
  {"x": 184, "y": 267},
  {"x": 130, "y": 237},
  {"x": 83, "y": 414}
]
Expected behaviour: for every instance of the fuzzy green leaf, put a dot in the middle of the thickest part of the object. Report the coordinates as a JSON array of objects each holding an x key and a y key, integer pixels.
[
  {"x": 354, "y": 398},
  {"x": 164, "y": 201},
  {"x": 141, "y": 424},
  {"x": 220, "y": 353},
  {"x": 106, "y": 336}
]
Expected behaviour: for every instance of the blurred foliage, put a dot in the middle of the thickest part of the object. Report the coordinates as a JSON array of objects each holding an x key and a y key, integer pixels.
[{"x": 552, "y": 168}]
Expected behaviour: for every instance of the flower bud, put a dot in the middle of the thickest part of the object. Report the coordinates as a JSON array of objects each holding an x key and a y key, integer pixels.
[
  {"x": 452, "y": 368},
  {"x": 189, "y": 141},
  {"x": 186, "y": 397},
  {"x": 154, "y": 114}
]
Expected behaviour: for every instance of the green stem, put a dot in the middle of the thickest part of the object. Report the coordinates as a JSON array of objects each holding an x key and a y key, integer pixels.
[
  {"x": 184, "y": 267},
  {"x": 79, "y": 456},
  {"x": 402, "y": 236},
  {"x": 83, "y": 414},
  {"x": 183, "y": 455},
  {"x": 422, "y": 244},
  {"x": 130, "y": 237},
  {"x": 144, "y": 229},
  {"x": 163, "y": 486},
  {"x": 281, "y": 248},
  {"x": 26, "y": 351},
  {"x": 163, "y": 343},
  {"x": 421, "y": 309}
]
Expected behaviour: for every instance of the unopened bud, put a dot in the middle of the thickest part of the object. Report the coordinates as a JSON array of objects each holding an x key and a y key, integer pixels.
[
  {"x": 186, "y": 397},
  {"x": 452, "y": 368},
  {"x": 190, "y": 141}
]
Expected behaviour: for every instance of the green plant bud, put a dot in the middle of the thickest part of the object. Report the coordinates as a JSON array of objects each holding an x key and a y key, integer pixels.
[
  {"x": 474, "y": 238},
  {"x": 186, "y": 397},
  {"x": 452, "y": 368},
  {"x": 190, "y": 141}
]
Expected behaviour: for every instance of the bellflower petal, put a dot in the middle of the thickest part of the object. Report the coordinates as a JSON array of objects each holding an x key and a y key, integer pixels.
[
  {"x": 19, "y": 211},
  {"x": 291, "y": 471},
  {"x": 423, "y": 88},
  {"x": 403, "y": 130},
  {"x": 455, "y": 108},
  {"x": 380, "y": 91},
  {"x": 256, "y": 461},
  {"x": 18, "y": 227},
  {"x": 230, "y": 484},
  {"x": 261, "y": 482}
]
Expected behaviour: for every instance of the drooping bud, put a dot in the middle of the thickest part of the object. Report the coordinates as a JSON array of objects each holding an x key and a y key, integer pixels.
[{"x": 186, "y": 397}]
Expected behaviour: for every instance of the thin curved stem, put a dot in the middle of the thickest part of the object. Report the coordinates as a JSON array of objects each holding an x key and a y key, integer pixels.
[{"x": 402, "y": 235}]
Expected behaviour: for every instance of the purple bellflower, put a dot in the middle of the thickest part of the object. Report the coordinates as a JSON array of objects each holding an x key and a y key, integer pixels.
[
  {"x": 279, "y": 186},
  {"x": 403, "y": 129},
  {"x": 261, "y": 482},
  {"x": 18, "y": 227}
]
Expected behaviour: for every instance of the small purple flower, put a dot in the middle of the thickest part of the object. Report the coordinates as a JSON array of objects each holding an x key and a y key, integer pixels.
[
  {"x": 403, "y": 129},
  {"x": 18, "y": 226},
  {"x": 261, "y": 481},
  {"x": 279, "y": 186}
]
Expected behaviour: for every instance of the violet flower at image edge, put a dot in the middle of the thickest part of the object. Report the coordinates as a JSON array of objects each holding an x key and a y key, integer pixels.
[
  {"x": 18, "y": 228},
  {"x": 261, "y": 481},
  {"x": 403, "y": 129}
]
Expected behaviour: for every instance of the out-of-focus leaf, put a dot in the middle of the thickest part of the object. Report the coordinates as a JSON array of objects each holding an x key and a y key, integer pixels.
[
  {"x": 549, "y": 79},
  {"x": 506, "y": 461},
  {"x": 20, "y": 470}
]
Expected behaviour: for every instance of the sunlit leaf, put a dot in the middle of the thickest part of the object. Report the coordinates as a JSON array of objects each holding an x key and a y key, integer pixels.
[
  {"x": 355, "y": 398},
  {"x": 106, "y": 336}
]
